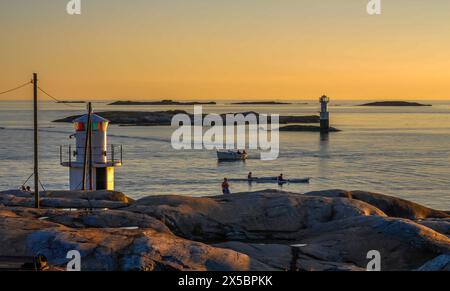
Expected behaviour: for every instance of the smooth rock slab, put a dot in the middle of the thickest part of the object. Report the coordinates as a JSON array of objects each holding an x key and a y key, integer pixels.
[
  {"x": 115, "y": 249},
  {"x": 286, "y": 258},
  {"x": 88, "y": 219},
  {"x": 265, "y": 215},
  {"x": 90, "y": 195},
  {"x": 441, "y": 263},
  {"x": 439, "y": 225},
  {"x": 67, "y": 199},
  {"x": 403, "y": 244},
  {"x": 392, "y": 206},
  {"x": 333, "y": 233}
]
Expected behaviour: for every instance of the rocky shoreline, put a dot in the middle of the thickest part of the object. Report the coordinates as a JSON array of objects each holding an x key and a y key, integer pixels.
[
  {"x": 306, "y": 128},
  {"x": 164, "y": 118},
  {"x": 262, "y": 103},
  {"x": 265, "y": 230},
  {"x": 395, "y": 103},
  {"x": 160, "y": 103}
]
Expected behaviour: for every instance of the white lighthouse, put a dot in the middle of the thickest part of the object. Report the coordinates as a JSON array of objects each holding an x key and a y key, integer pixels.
[
  {"x": 91, "y": 162},
  {"x": 324, "y": 114}
]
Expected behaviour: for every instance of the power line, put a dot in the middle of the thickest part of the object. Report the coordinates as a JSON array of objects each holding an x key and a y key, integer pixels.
[
  {"x": 43, "y": 91},
  {"x": 40, "y": 89},
  {"x": 16, "y": 88},
  {"x": 55, "y": 99}
]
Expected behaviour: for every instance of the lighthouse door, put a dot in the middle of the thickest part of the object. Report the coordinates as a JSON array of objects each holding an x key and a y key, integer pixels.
[{"x": 101, "y": 181}]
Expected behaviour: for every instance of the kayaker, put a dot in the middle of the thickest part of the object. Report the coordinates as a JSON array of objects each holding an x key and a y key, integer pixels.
[{"x": 225, "y": 186}]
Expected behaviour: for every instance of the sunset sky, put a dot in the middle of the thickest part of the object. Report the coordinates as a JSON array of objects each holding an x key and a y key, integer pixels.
[{"x": 227, "y": 49}]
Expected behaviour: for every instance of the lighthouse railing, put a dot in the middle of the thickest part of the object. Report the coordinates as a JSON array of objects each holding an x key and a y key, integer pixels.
[
  {"x": 70, "y": 155},
  {"x": 113, "y": 154}
]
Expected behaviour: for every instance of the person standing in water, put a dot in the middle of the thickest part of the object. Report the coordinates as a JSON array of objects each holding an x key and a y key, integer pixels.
[
  {"x": 225, "y": 187},
  {"x": 280, "y": 179}
]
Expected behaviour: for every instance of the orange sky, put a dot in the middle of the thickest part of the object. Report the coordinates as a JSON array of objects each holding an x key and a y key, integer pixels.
[{"x": 234, "y": 49}]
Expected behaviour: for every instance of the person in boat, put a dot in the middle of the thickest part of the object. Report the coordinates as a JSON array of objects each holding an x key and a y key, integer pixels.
[
  {"x": 244, "y": 152},
  {"x": 250, "y": 176},
  {"x": 225, "y": 186},
  {"x": 28, "y": 189},
  {"x": 23, "y": 189},
  {"x": 239, "y": 152}
]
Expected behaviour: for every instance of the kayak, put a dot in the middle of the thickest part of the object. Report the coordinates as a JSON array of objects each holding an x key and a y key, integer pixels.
[{"x": 272, "y": 180}]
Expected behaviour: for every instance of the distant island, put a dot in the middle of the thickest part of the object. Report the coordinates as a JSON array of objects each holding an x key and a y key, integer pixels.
[
  {"x": 394, "y": 103},
  {"x": 164, "y": 118},
  {"x": 69, "y": 102},
  {"x": 261, "y": 103},
  {"x": 163, "y": 102},
  {"x": 306, "y": 128}
]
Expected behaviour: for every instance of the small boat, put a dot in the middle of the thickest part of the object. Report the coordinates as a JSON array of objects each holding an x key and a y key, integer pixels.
[
  {"x": 272, "y": 180},
  {"x": 230, "y": 155}
]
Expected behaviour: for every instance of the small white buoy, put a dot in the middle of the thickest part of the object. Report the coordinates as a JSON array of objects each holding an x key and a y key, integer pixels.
[{"x": 299, "y": 245}]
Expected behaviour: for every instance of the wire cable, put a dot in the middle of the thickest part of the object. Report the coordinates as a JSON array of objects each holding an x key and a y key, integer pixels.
[
  {"x": 55, "y": 99},
  {"x": 40, "y": 89},
  {"x": 16, "y": 88},
  {"x": 27, "y": 179},
  {"x": 42, "y": 186}
]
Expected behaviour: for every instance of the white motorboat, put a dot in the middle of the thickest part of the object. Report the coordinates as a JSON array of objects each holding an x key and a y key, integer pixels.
[{"x": 229, "y": 155}]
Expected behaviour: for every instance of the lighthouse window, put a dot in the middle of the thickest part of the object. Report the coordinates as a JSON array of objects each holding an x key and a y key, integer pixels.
[
  {"x": 97, "y": 126},
  {"x": 79, "y": 126}
]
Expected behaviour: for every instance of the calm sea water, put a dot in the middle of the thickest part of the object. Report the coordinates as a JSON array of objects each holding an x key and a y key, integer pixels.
[{"x": 397, "y": 151}]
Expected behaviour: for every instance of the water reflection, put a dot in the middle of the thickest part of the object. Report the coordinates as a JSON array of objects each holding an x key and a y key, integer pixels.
[{"x": 323, "y": 165}]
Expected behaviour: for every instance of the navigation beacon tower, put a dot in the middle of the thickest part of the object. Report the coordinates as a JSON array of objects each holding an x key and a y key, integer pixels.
[
  {"x": 93, "y": 165},
  {"x": 324, "y": 114}
]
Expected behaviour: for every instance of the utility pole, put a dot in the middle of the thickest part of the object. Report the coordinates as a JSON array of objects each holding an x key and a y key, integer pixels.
[
  {"x": 91, "y": 178},
  {"x": 87, "y": 151},
  {"x": 36, "y": 152}
]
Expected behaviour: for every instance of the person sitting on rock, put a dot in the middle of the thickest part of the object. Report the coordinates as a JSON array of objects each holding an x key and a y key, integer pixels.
[{"x": 225, "y": 186}]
